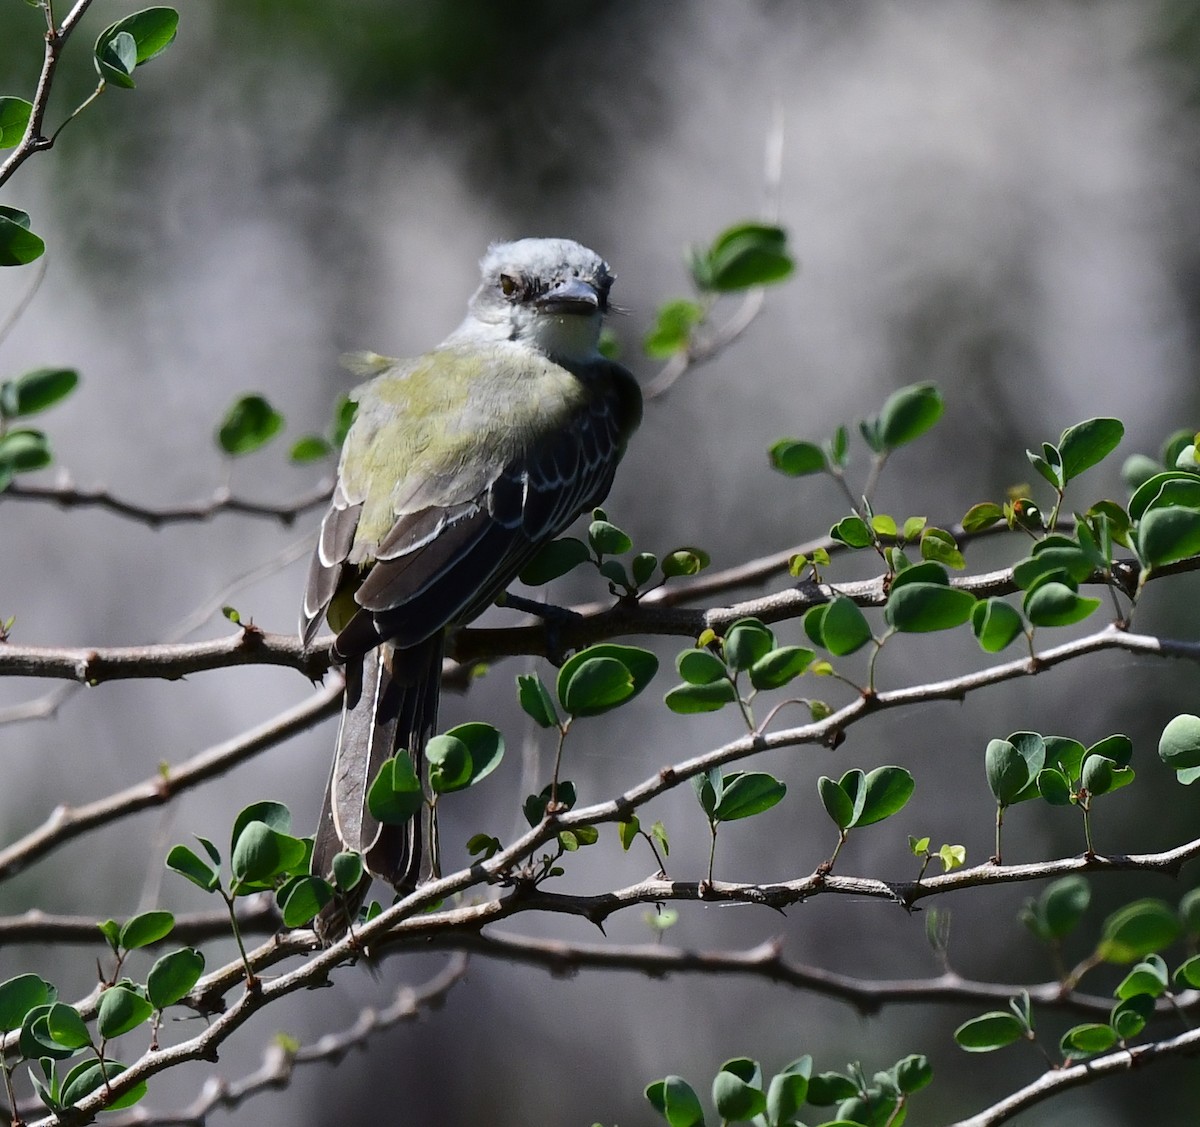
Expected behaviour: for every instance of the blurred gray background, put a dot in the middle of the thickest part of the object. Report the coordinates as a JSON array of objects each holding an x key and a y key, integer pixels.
[{"x": 997, "y": 195}]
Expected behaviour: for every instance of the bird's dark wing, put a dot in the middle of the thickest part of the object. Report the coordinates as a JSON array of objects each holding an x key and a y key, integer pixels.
[{"x": 445, "y": 564}]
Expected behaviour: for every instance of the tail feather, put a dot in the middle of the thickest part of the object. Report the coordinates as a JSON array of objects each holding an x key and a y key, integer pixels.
[{"x": 390, "y": 704}]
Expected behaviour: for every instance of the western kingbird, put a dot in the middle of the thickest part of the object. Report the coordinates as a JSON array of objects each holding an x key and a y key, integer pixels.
[{"x": 458, "y": 467}]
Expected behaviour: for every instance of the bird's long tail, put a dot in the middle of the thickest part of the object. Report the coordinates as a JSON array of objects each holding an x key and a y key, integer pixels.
[{"x": 391, "y": 704}]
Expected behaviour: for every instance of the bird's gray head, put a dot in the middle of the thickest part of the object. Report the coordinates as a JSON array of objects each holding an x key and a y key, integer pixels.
[{"x": 551, "y": 294}]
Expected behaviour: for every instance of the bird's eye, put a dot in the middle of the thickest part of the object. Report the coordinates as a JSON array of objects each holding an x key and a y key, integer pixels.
[{"x": 508, "y": 285}]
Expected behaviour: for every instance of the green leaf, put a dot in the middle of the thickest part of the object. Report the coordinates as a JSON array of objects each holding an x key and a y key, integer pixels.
[
  {"x": 1148, "y": 979},
  {"x": 262, "y": 853},
  {"x": 843, "y": 629},
  {"x": 36, "y": 390},
  {"x": 745, "y": 255},
  {"x": 1165, "y": 536},
  {"x": 14, "y": 118},
  {"x": 746, "y": 642},
  {"x": 1087, "y": 1040},
  {"x": 795, "y": 458},
  {"x": 535, "y": 806},
  {"x": 673, "y": 329},
  {"x": 484, "y": 747},
  {"x": 1068, "y": 558},
  {"x": 1063, "y": 903},
  {"x": 618, "y": 674},
  {"x": 183, "y": 861},
  {"x": 988, "y": 1032},
  {"x": 938, "y": 544},
  {"x": 627, "y": 831},
  {"x": 1187, "y": 974},
  {"x": 929, "y": 571},
  {"x": 996, "y": 624},
  {"x": 908, "y": 413},
  {"x": 449, "y": 764},
  {"x": 173, "y": 976},
  {"x": 18, "y": 244},
  {"x": 66, "y": 1027},
  {"x": 700, "y": 667},
  {"x": 1054, "y": 786},
  {"x": 746, "y": 794},
  {"x": 675, "y": 1100},
  {"x": 607, "y": 539},
  {"x": 347, "y": 869},
  {"x": 302, "y": 897},
  {"x": 18, "y": 996},
  {"x": 1097, "y": 776},
  {"x": 343, "y": 415},
  {"x": 22, "y": 451},
  {"x": 273, "y": 814},
  {"x": 688, "y": 699},
  {"x": 554, "y": 560},
  {"x": 310, "y": 448},
  {"x": 121, "y": 1010},
  {"x": 248, "y": 426},
  {"x": 134, "y": 40},
  {"x": 643, "y": 567},
  {"x": 851, "y": 531},
  {"x": 981, "y": 516},
  {"x": 1137, "y": 930},
  {"x": 776, "y": 668},
  {"x": 395, "y": 794},
  {"x": 86, "y": 1078},
  {"x": 1131, "y": 1015},
  {"x": 788, "y": 1091},
  {"x": 913, "y": 1073},
  {"x": 145, "y": 929},
  {"x": 737, "y": 1092},
  {"x": 1055, "y": 604},
  {"x": 839, "y": 805},
  {"x": 885, "y": 791},
  {"x": 536, "y": 701},
  {"x": 924, "y": 607},
  {"x": 684, "y": 561},
  {"x": 1087, "y": 443},
  {"x": 1179, "y": 744}
]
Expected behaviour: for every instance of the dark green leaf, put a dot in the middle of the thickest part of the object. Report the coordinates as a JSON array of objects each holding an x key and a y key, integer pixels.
[
  {"x": 14, "y": 117},
  {"x": 1063, "y": 903},
  {"x": 981, "y": 516},
  {"x": 87, "y": 1077},
  {"x": 838, "y": 804},
  {"x": 1097, "y": 776},
  {"x": 776, "y": 668},
  {"x": 1148, "y": 979},
  {"x": 1131, "y": 1015},
  {"x": 989, "y": 1031},
  {"x": 913, "y": 1073},
  {"x": 303, "y": 897},
  {"x": 746, "y": 642},
  {"x": 929, "y": 571},
  {"x": 746, "y": 794},
  {"x": 36, "y": 390},
  {"x": 1070, "y": 559},
  {"x": 1165, "y": 536},
  {"x": 183, "y": 861},
  {"x": 748, "y": 254},
  {"x": 788, "y": 1091},
  {"x": 262, "y": 853},
  {"x": 554, "y": 560},
  {"x": 688, "y": 698},
  {"x": 347, "y": 870},
  {"x": 449, "y": 764},
  {"x": 602, "y": 686},
  {"x": 121, "y": 1010},
  {"x": 1087, "y": 1040},
  {"x": 642, "y": 568},
  {"x": 18, "y": 244},
  {"x": 1179, "y": 745},
  {"x": 851, "y": 531},
  {"x": 1137, "y": 930},
  {"x": 23, "y": 451},
  {"x": 1187, "y": 974},
  {"x": 1055, "y": 604},
  {"x": 20, "y": 995},
  {"x": 173, "y": 976},
  {"x": 343, "y": 415},
  {"x": 675, "y": 1100},
  {"x": 607, "y": 539},
  {"x": 248, "y": 425},
  {"x": 885, "y": 791},
  {"x": 395, "y": 794},
  {"x": 925, "y": 607},
  {"x": 996, "y": 624},
  {"x": 909, "y": 413},
  {"x": 700, "y": 667},
  {"x": 684, "y": 561},
  {"x": 1054, "y": 786},
  {"x": 737, "y": 1098},
  {"x": 273, "y": 814},
  {"x": 536, "y": 700},
  {"x": 796, "y": 458},
  {"x": 843, "y": 627},
  {"x": 1162, "y": 490},
  {"x": 67, "y": 1027},
  {"x": 485, "y": 748},
  {"x": 938, "y": 544},
  {"x": 1087, "y": 443},
  {"x": 129, "y": 42},
  {"x": 145, "y": 929}
]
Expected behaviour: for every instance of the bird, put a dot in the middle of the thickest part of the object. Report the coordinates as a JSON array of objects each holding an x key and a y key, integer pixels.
[{"x": 458, "y": 467}]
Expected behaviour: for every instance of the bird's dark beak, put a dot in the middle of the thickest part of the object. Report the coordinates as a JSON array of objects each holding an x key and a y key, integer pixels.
[{"x": 573, "y": 296}]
